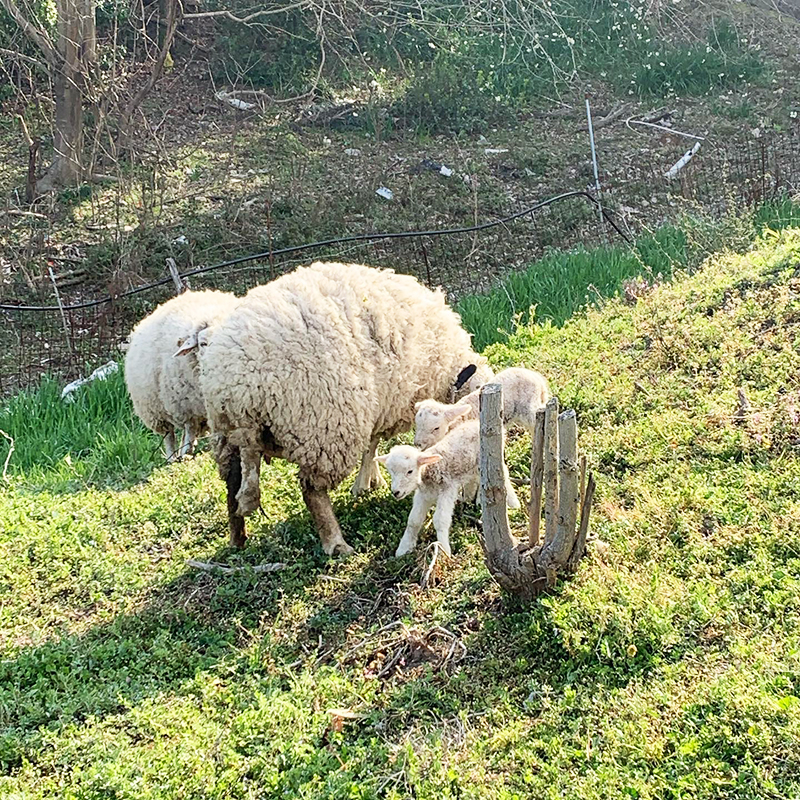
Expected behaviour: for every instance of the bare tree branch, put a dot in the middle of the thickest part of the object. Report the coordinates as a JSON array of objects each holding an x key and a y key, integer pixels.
[
  {"x": 33, "y": 32},
  {"x": 230, "y": 15}
]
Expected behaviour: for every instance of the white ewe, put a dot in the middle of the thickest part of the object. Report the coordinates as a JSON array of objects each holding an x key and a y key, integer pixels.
[
  {"x": 164, "y": 390},
  {"x": 316, "y": 367}
]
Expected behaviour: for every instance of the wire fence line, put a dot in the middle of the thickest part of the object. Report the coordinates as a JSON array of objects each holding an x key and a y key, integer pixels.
[{"x": 67, "y": 334}]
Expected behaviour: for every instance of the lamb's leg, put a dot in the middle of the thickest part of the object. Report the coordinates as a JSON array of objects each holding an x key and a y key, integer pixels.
[
  {"x": 169, "y": 445},
  {"x": 330, "y": 534},
  {"x": 249, "y": 494},
  {"x": 416, "y": 519},
  {"x": 512, "y": 501},
  {"x": 231, "y": 471},
  {"x": 369, "y": 475},
  {"x": 443, "y": 516}
]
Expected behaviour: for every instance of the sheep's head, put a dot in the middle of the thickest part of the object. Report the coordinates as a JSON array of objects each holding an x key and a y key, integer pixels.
[
  {"x": 433, "y": 420},
  {"x": 194, "y": 341},
  {"x": 404, "y": 465}
]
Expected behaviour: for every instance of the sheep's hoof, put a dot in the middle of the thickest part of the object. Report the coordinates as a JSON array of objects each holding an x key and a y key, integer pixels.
[
  {"x": 338, "y": 549},
  {"x": 248, "y": 502}
]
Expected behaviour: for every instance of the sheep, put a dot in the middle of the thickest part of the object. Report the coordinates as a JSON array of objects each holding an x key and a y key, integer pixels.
[
  {"x": 524, "y": 392},
  {"x": 315, "y": 368},
  {"x": 165, "y": 390},
  {"x": 437, "y": 476}
]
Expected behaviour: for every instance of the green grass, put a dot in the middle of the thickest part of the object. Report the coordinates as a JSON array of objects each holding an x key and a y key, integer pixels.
[
  {"x": 558, "y": 286},
  {"x": 96, "y": 438},
  {"x": 668, "y": 667}
]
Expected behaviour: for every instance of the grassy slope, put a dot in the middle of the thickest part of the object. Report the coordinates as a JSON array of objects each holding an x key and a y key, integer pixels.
[{"x": 669, "y": 667}]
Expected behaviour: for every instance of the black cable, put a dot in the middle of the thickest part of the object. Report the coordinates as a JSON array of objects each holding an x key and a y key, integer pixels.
[{"x": 364, "y": 237}]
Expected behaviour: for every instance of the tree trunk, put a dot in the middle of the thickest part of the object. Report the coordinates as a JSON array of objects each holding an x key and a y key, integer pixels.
[{"x": 77, "y": 52}]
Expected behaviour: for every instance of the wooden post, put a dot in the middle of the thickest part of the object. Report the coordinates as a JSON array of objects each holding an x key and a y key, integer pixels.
[
  {"x": 583, "y": 530},
  {"x": 537, "y": 475},
  {"x": 568, "y": 491},
  {"x": 551, "y": 470},
  {"x": 181, "y": 285},
  {"x": 496, "y": 530}
]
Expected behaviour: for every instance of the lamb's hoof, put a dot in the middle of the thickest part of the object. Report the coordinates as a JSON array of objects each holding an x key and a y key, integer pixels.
[
  {"x": 445, "y": 548},
  {"x": 403, "y": 551},
  {"x": 338, "y": 549}
]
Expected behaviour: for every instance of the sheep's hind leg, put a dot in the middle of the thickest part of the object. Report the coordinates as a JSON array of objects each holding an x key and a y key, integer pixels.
[
  {"x": 330, "y": 534},
  {"x": 249, "y": 494},
  {"x": 169, "y": 445},
  {"x": 443, "y": 517},
  {"x": 369, "y": 475}
]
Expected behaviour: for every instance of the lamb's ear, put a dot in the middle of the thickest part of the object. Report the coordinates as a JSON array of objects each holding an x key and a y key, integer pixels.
[
  {"x": 418, "y": 405},
  {"x": 186, "y": 345},
  {"x": 381, "y": 459},
  {"x": 465, "y": 375},
  {"x": 429, "y": 458},
  {"x": 454, "y": 412}
]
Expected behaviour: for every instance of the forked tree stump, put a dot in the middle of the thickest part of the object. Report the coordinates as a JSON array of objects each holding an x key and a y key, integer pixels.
[{"x": 527, "y": 568}]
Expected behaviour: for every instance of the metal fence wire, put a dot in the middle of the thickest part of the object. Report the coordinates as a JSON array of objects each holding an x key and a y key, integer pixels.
[{"x": 66, "y": 334}]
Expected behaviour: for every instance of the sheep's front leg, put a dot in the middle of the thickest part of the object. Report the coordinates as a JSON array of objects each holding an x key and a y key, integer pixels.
[
  {"x": 443, "y": 516},
  {"x": 416, "y": 519},
  {"x": 369, "y": 475},
  {"x": 249, "y": 495},
  {"x": 330, "y": 534}
]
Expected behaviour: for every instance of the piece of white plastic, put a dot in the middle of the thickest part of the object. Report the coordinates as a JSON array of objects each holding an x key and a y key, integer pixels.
[
  {"x": 682, "y": 162},
  {"x": 100, "y": 374},
  {"x": 386, "y": 194},
  {"x": 446, "y": 171},
  {"x": 234, "y": 102}
]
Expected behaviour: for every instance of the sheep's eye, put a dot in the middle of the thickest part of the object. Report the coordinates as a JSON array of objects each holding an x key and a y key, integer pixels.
[
  {"x": 410, "y": 472},
  {"x": 436, "y": 429}
]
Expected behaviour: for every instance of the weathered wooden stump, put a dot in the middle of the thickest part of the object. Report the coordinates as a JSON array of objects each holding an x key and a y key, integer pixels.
[{"x": 529, "y": 567}]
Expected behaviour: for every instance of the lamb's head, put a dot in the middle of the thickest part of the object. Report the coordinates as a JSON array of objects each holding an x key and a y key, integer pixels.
[
  {"x": 404, "y": 465},
  {"x": 433, "y": 420}
]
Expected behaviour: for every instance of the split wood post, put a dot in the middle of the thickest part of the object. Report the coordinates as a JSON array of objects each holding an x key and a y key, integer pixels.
[
  {"x": 537, "y": 475},
  {"x": 551, "y": 470},
  {"x": 497, "y": 532},
  {"x": 528, "y": 568},
  {"x": 181, "y": 285}
]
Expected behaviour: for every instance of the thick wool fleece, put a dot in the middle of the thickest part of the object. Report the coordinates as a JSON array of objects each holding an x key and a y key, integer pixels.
[
  {"x": 327, "y": 358},
  {"x": 165, "y": 390}
]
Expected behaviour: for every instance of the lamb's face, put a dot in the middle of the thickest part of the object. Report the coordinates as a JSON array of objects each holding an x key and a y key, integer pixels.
[
  {"x": 404, "y": 463},
  {"x": 433, "y": 420},
  {"x": 430, "y": 426}
]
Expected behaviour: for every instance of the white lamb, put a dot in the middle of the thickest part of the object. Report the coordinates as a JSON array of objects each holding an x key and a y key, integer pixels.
[
  {"x": 165, "y": 390},
  {"x": 316, "y": 367},
  {"x": 524, "y": 393},
  {"x": 437, "y": 477}
]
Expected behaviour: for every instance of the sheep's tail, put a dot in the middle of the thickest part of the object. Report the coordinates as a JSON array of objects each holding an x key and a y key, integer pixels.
[{"x": 229, "y": 463}]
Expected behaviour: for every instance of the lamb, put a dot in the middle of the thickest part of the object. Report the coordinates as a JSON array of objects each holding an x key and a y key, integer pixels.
[
  {"x": 164, "y": 390},
  {"x": 524, "y": 392},
  {"x": 315, "y": 368},
  {"x": 437, "y": 476}
]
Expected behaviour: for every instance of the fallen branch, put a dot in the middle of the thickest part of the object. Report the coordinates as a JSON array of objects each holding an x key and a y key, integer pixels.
[
  {"x": 429, "y": 571},
  {"x": 608, "y": 119},
  {"x": 225, "y": 569}
]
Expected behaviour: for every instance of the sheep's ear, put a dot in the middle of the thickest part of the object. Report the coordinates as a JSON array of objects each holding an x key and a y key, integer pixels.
[
  {"x": 454, "y": 412},
  {"x": 381, "y": 459},
  {"x": 465, "y": 375},
  {"x": 430, "y": 458},
  {"x": 418, "y": 405},
  {"x": 186, "y": 346}
]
